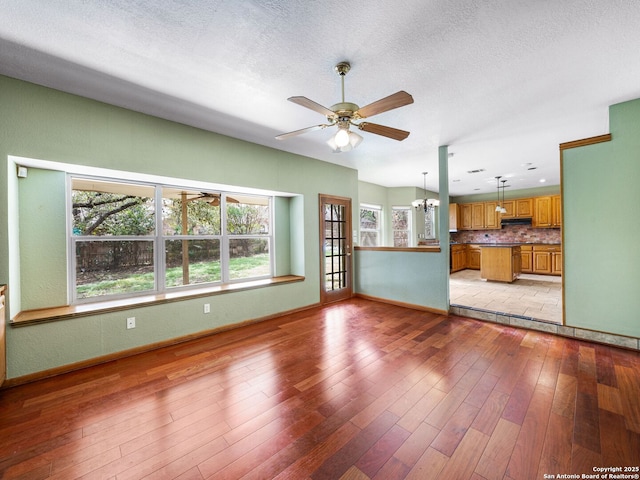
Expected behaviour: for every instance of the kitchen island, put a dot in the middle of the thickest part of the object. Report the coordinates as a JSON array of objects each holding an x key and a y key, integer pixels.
[{"x": 502, "y": 263}]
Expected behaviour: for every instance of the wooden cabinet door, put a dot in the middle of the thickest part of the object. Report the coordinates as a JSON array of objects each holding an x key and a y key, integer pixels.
[
  {"x": 466, "y": 217},
  {"x": 477, "y": 216},
  {"x": 526, "y": 261},
  {"x": 556, "y": 209},
  {"x": 541, "y": 262},
  {"x": 454, "y": 216},
  {"x": 556, "y": 263},
  {"x": 524, "y": 207},
  {"x": 510, "y": 207},
  {"x": 542, "y": 212},
  {"x": 491, "y": 217},
  {"x": 473, "y": 258}
]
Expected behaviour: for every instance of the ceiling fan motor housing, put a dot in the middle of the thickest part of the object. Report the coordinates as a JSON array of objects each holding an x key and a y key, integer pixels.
[{"x": 344, "y": 109}]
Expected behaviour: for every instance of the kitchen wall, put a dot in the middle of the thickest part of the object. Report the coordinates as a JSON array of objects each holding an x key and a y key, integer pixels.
[{"x": 509, "y": 234}]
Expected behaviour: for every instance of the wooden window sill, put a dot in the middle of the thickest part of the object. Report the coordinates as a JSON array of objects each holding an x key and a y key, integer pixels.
[{"x": 41, "y": 315}]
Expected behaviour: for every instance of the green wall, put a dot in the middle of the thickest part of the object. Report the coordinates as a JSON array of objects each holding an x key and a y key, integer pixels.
[
  {"x": 601, "y": 198},
  {"x": 45, "y": 124}
]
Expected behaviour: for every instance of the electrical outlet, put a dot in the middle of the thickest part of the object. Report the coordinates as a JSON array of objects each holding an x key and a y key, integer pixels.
[
  {"x": 207, "y": 308},
  {"x": 131, "y": 322}
]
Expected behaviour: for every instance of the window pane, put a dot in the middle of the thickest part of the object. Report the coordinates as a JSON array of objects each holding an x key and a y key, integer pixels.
[
  {"x": 400, "y": 219},
  {"x": 247, "y": 215},
  {"x": 369, "y": 219},
  {"x": 369, "y": 239},
  {"x": 192, "y": 261},
  {"x": 248, "y": 257},
  {"x": 113, "y": 267},
  {"x": 187, "y": 212},
  {"x": 400, "y": 238},
  {"x": 108, "y": 208}
]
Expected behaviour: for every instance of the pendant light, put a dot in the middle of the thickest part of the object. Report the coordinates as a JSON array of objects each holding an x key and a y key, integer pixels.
[
  {"x": 425, "y": 203},
  {"x": 498, "y": 205},
  {"x": 502, "y": 209}
]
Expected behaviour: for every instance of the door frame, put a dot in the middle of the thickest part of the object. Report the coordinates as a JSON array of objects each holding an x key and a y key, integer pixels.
[{"x": 347, "y": 291}]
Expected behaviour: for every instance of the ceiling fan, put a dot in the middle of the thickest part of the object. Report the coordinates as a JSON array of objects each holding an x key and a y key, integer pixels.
[{"x": 345, "y": 114}]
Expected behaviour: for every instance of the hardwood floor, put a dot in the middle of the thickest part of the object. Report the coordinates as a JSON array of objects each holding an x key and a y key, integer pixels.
[{"x": 354, "y": 390}]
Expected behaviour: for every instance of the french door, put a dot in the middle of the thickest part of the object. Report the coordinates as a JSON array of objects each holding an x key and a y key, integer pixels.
[{"x": 335, "y": 248}]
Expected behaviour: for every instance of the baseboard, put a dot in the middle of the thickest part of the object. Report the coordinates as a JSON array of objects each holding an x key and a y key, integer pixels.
[{"x": 402, "y": 304}]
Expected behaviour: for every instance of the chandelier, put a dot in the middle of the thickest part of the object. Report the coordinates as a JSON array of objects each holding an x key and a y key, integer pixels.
[{"x": 427, "y": 204}]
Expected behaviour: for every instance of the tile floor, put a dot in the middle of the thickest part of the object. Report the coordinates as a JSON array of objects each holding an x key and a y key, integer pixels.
[{"x": 535, "y": 296}]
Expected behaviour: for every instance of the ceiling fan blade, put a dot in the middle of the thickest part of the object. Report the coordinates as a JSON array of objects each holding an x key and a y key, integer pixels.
[
  {"x": 282, "y": 136},
  {"x": 389, "y": 132},
  {"x": 316, "y": 107},
  {"x": 398, "y": 99}
]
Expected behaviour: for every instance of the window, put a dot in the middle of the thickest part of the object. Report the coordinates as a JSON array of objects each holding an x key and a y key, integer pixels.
[
  {"x": 370, "y": 225},
  {"x": 401, "y": 220},
  {"x": 139, "y": 238}
]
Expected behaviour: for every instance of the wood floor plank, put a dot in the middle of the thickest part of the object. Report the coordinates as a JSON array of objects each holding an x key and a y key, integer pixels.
[
  {"x": 495, "y": 458},
  {"x": 356, "y": 389}
]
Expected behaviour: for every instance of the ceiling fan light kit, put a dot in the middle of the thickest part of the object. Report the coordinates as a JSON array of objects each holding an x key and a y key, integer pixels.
[{"x": 346, "y": 114}]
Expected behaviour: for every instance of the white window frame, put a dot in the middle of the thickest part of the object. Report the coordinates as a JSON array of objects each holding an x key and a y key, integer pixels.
[
  {"x": 159, "y": 240},
  {"x": 378, "y": 231}
]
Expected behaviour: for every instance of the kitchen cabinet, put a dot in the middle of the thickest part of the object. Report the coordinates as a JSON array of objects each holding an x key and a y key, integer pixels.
[
  {"x": 473, "y": 257},
  {"x": 556, "y": 263},
  {"x": 454, "y": 217},
  {"x": 547, "y": 259},
  {"x": 519, "y": 208},
  {"x": 466, "y": 216},
  {"x": 547, "y": 212},
  {"x": 491, "y": 217},
  {"x": 556, "y": 211},
  {"x": 526, "y": 258},
  {"x": 458, "y": 257},
  {"x": 477, "y": 216},
  {"x": 500, "y": 263}
]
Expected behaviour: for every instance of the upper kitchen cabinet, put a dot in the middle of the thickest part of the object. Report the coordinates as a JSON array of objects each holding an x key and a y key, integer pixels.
[
  {"x": 519, "y": 208},
  {"x": 547, "y": 212},
  {"x": 454, "y": 217},
  {"x": 479, "y": 216}
]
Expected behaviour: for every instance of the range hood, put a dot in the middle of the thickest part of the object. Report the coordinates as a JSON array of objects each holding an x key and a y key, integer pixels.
[{"x": 516, "y": 221}]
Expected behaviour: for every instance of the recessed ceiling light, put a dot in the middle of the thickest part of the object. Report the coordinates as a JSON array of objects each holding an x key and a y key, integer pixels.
[
  {"x": 476, "y": 189},
  {"x": 542, "y": 180},
  {"x": 532, "y": 168},
  {"x": 478, "y": 170}
]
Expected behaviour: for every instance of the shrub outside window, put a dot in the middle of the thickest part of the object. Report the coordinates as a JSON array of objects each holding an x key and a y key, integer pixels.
[{"x": 135, "y": 238}]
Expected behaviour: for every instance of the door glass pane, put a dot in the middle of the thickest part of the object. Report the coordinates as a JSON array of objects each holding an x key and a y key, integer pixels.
[{"x": 335, "y": 247}]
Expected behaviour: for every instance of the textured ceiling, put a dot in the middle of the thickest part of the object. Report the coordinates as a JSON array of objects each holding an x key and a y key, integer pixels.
[{"x": 501, "y": 82}]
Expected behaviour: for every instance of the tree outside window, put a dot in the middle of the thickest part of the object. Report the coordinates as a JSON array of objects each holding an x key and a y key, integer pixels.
[
  {"x": 401, "y": 225},
  {"x": 370, "y": 225}
]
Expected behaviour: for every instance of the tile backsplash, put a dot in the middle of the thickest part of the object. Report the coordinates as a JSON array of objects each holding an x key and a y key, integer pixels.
[{"x": 509, "y": 234}]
